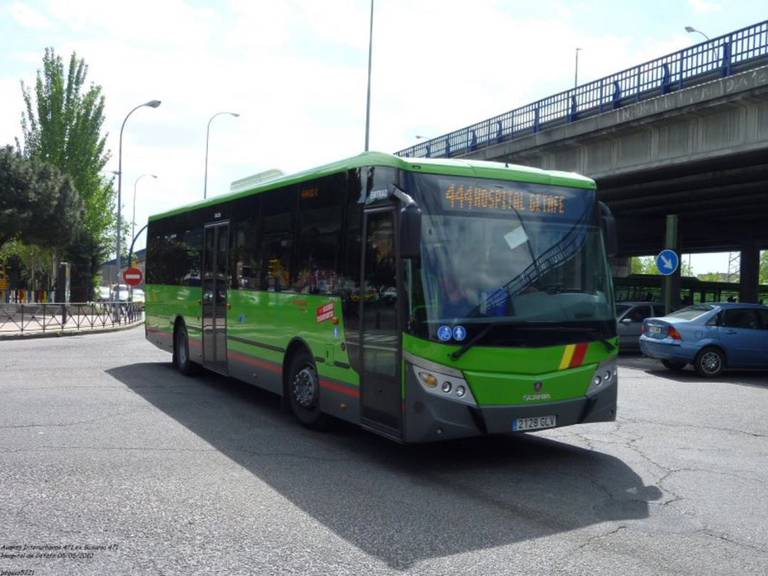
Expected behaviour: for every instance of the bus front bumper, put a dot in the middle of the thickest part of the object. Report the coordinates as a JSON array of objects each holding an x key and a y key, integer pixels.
[{"x": 430, "y": 418}]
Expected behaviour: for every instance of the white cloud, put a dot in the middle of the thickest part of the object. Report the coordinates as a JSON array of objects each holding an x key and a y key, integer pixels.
[
  {"x": 704, "y": 6},
  {"x": 28, "y": 17}
]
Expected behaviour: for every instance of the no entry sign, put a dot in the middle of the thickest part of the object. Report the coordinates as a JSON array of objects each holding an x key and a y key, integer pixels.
[{"x": 133, "y": 276}]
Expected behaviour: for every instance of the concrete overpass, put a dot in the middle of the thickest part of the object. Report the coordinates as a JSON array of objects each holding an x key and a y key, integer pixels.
[{"x": 678, "y": 147}]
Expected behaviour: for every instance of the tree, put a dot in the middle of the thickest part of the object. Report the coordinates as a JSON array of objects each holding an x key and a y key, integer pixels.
[
  {"x": 62, "y": 124},
  {"x": 643, "y": 265},
  {"x": 764, "y": 267},
  {"x": 38, "y": 204}
]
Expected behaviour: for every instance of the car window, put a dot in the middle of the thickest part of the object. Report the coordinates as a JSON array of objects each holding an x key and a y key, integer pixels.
[
  {"x": 621, "y": 308},
  {"x": 658, "y": 310},
  {"x": 741, "y": 318},
  {"x": 639, "y": 313},
  {"x": 763, "y": 316},
  {"x": 691, "y": 312}
]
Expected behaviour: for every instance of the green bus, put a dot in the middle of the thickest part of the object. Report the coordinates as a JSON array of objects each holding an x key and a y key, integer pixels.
[{"x": 423, "y": 299}]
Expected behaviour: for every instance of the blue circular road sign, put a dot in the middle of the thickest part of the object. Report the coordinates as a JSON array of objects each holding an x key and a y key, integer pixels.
[{"x": 667, "y": 262}]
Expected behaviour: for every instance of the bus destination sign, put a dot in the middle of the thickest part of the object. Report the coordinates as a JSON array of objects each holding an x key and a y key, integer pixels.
[{"x": 475, "y": 198}]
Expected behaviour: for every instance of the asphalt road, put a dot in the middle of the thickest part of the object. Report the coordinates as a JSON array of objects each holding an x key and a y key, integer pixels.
[{"x": 111, "y": 463}]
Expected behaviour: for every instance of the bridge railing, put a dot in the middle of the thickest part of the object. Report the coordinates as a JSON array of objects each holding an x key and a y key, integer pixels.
[
  {"x": 19, "y": 319},
  {"x": 715, "y": 58}
]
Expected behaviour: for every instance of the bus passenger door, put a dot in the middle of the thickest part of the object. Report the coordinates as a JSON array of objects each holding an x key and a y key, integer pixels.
[
  {"x": 214, "y": 313},
  {"x": 380, "y": 350}
]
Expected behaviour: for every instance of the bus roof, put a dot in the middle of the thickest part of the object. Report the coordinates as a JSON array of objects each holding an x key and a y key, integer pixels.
[{"x": 446, "y": 166}]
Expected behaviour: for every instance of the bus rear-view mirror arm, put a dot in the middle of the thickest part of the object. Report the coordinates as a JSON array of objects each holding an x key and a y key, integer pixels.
[
  {"x": 410, "y": 225},
  {"x": 608, "y": 226}
]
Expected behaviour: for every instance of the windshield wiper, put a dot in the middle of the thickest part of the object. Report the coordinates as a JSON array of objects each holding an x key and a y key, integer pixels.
[
  {"x": 484, "y": 332},
  {"x": 600, "y": 333},
  {"x": 471, "y": 342}
]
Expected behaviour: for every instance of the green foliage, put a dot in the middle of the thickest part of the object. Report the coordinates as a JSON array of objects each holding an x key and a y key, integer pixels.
[
  {"x": 38, "y": 204},
  {"x": 32, "y": 261},
  {"x": 643, "y": 265},
  {"x": 764, "y": 267},
  {"x": 62, "y": 124}
]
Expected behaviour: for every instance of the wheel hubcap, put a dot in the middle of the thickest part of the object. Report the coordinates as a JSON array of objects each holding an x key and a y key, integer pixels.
[
  {"x": 305, "y": 387},
  {"x": 710, "y": 362}
]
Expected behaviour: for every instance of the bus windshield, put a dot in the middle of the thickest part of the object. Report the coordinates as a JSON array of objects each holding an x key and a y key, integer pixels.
[{"x": 509, "y": 253}]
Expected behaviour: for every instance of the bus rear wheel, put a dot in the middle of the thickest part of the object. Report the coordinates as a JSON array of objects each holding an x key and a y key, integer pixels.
[{"x": 304, "y": 391}]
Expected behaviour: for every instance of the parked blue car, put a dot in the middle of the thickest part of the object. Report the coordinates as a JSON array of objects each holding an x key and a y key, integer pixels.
[{"x": 711, "y": 337}]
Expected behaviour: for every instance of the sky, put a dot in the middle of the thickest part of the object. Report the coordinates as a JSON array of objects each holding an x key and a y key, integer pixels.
[{"x": 296, "y": 72}]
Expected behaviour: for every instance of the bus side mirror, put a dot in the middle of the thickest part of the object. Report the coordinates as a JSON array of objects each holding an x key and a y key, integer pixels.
[
  {"x": 410, "y": 231},
  {"x": 410, "y": 224},
  {"x": 608, "y": 226}
]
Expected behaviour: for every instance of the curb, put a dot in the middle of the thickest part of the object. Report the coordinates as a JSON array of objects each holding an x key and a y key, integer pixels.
[{"x": 41, "y": 334}]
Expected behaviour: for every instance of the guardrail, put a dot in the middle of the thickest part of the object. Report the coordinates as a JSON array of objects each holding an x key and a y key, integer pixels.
[
  {"x": 716, "y": 58},
  {"x": 26, "y": 318}
]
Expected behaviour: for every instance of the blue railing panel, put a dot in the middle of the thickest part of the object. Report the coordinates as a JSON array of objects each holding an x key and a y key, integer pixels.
[{"x": 696, "y": 64}]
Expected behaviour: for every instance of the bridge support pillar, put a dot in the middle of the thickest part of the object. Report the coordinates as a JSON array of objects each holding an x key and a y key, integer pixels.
[
  {"x": 672, "y": 283},
  {"x": 749, "y": 275}
]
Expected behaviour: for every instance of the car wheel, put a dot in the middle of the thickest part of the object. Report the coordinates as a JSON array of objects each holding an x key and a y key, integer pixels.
[
  {"x": 709, "y": 362},
  {"x": 674, "y": 365},
  {"x": 181, "y": 352},
  {"x": 304, "y": 391}
]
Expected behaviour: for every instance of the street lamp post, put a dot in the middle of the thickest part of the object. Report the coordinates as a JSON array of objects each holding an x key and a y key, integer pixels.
[
  {"x": 692, "y": 30},
  {"x": 576, "y": 72},
  {"x": 151, "y": 104},
  {"x": 133, "y": 218},
  {"x": 368, "y": 98},
  {"x": 207, "y": 136}
]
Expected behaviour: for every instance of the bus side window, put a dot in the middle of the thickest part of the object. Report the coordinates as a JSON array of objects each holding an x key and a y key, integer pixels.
[
  {"x": 349, "y": 283},
  {"x": 320, "y": 214},
  {"x": 277, "y": 240},
  {"x": 246, "y": 245}
]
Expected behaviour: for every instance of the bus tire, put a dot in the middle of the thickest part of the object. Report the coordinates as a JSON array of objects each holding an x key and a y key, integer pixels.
[
  {"x": 181, "y": 360},
  {"x": 709, "y": 362},
  {"x": 303, "y": 390}
]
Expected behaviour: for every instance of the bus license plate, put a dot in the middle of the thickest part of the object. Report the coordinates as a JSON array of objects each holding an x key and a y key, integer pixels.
[{"x": 534, "y": 423}]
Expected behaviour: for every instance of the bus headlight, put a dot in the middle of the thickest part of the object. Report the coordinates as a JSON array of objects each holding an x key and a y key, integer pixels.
[
  {"x": 605, "y": 375},
  {"x": 442, "y": 381}
]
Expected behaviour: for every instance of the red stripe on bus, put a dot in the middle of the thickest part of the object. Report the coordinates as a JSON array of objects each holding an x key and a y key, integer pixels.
[
  {"x": 340, "y": 388},
  {"x": 258, "y": 362},
  {"x": 578, "y": 355},
  {"x": 195, "y": 343}
]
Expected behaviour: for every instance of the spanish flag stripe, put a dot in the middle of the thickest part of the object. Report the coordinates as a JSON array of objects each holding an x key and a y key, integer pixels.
[
  {"x": 567, "y": 355},
  {"x": 578, "y": 355}
]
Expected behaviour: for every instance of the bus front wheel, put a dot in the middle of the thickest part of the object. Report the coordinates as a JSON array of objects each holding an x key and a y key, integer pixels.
[{"x": 304, "y": 391}]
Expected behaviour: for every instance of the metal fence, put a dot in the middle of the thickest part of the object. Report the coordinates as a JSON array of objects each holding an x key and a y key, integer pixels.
[
  {"x": 716, "y": 58},
  {"x": 38, "y": 318}
]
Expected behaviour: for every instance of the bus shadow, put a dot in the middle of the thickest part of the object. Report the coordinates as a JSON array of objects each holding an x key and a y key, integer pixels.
[
  {"x": 749, "y": 378},
  {"x": 401, "y": 504}
]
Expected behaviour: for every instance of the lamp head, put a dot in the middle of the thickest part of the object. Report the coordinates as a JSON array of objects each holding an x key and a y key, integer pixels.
[
  {"x": 690, "y": 29},
  {"x": 153, "y": 103}
]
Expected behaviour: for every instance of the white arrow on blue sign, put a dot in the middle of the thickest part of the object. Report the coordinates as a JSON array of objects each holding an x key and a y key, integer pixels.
[{"x": 667, "y": 262}]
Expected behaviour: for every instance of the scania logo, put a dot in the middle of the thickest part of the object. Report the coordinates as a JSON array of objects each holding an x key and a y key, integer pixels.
[{"x": 538, "y": 386}]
